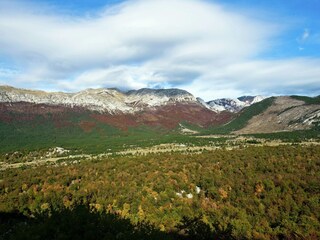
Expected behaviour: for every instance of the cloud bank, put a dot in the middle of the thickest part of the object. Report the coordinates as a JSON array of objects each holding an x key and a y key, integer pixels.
[{"x": 200, "y": 46}]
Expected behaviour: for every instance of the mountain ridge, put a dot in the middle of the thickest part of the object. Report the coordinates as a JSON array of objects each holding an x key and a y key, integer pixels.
[
  {"x": 113, "y": 100},
  {"x": 102, "y": 99}
]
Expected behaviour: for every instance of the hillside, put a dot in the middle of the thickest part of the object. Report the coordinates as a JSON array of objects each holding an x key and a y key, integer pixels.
[
  {"x": 242, "y": 118},
  {"x": 33, "y": 126},
  {"x": 285, "y": 114}
]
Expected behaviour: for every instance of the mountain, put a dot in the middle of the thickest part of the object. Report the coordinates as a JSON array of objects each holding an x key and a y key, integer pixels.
[
  {"x": 151, "y": 107},
  {"x": 114, "y": 101},
  {"x": 159, "y": 108},
  {"x": 227, "y": 104},
  {"x": 233, "y": 105},
  {"x": 103, "y": 100},
  {"x": 212, "y": 107},
  {"x": 291, "y": 117}
]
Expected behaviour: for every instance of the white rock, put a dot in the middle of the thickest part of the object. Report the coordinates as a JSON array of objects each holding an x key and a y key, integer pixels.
[
  {"x": 179, "y": 194},
  {"x": 189, "y": 195},
  {"x": 198, "y": 189}
]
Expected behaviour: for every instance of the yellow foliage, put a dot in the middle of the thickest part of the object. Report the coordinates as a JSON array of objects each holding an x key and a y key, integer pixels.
[
  {"x": 45, "y": 206},
  {"x": 125, "y": 210},
  {"x": 223, "y": 193}
]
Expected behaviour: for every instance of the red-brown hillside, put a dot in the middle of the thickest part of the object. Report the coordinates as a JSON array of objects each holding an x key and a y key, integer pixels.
[{"x": 168, "y": 116}]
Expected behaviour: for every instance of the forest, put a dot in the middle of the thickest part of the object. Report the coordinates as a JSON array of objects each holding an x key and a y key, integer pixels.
[{"x": 252, "y": 192}]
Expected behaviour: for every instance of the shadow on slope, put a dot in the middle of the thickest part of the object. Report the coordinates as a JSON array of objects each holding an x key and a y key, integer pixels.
[{"x": 81, "y": 223}]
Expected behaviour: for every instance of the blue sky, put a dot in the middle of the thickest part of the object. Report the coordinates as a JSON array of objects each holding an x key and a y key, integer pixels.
[{"x": 212, "y": 48}]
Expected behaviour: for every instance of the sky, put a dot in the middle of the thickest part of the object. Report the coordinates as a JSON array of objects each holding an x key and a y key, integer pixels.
[{"x": 211, "y": 48}]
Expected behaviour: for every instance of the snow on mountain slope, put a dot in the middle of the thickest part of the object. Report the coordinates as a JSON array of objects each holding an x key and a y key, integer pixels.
[
  {"x": 257, "y": 99},
  {"x": 228, "y": 104},
  {"x": 212, "y": 106},
  {"x": 233, "y": 105}
]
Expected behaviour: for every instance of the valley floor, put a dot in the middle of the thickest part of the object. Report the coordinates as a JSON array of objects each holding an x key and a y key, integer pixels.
[
  {"x": 232, "y": 142},
  {"x": 251, "y": 192}
]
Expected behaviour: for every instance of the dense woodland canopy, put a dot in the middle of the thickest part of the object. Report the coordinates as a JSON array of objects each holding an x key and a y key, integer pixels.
[{"x": 248, "y": 193}]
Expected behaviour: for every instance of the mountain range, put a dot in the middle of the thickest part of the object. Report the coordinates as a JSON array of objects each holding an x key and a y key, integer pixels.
[
  {"x": 113, "y": 101},
  {"x": 159, "y": 108},
  {"x": 100, "y": 119}
]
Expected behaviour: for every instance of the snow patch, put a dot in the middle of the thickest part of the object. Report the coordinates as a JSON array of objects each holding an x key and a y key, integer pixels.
[{"x": 233, "y": 105}]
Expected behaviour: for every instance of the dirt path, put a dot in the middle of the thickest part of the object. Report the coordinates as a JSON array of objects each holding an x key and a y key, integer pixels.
[
  {"x": 38, "y": 162},
  {"x": 162, "y": 148}
]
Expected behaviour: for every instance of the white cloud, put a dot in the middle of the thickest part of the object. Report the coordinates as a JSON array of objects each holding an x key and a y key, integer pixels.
[
  {"x": 193, "y": 44},
  {"x": 303, "y": 38},
  {"x": 276, "y": 77},
  {"x": 305, "y": 35}
]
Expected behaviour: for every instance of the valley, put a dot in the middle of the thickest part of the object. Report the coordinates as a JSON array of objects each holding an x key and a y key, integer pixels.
[
  {"x": 159, "y": 120},
  {"x": 164, "y": 165}
]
